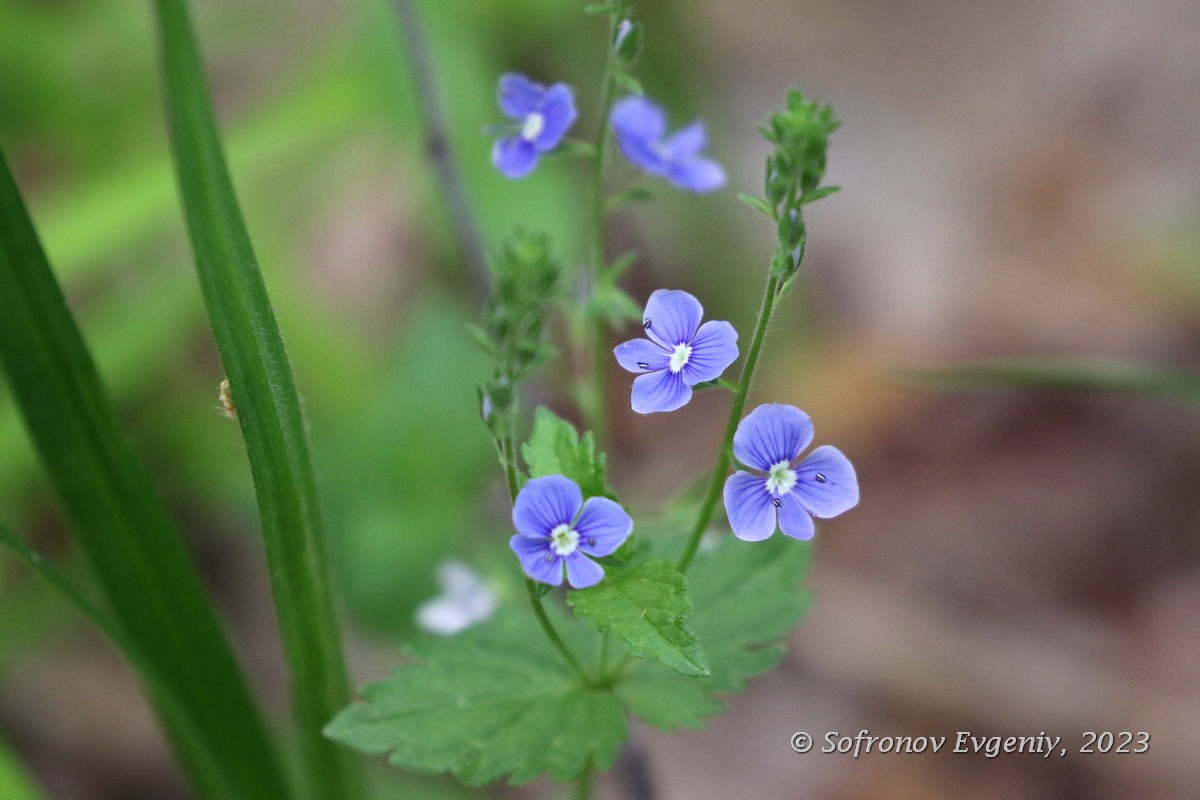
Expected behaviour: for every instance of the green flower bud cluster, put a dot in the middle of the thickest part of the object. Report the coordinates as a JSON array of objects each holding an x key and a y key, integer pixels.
[
  {"x": 526, "y": 278},
  {"x": 800, "y": 132}
]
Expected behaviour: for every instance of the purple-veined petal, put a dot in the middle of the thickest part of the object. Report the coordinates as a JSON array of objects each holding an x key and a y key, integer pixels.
[
  {"x": 672, "y": 317},
  {"x": 794, "y": 519},
  {"x": 633, "y": 354},
  {"x": 660, "y": 391},
  {"x": 519, "y": 96},
  {"x": 748, "y": 506},
  {"x": 582, "y": 572},
  {"x": 687, "y": 142},
  {"x": 826, "y": 483},
  {"x": 545, "y": 503},
  {"x": 602, "y": 526},
  {"x": 639, "y": 126},
  {"x": 514, "y": 157},
  {"x": 696, "y": 174},
  {"x": 771, "y": 433},
  {"x": 558, "y": 113},
  {"x": 714, "y": 348},
  {"x": 537, "y": 559}
]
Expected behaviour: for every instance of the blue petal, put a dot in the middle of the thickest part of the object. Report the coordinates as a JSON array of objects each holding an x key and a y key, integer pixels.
[
  {"x": 633, "y": 354},
  {"x": 514, "y": 157},
  {"x": 519, "y": 96},
  {"x": 687, "y": 142},
  {"x": 558, "y": 112},
  {"x": 582, "y": 572},
  {"x": 772, "y": 433},
  {"x": 696, "y": 174},
  {"x": 602, "y": 526},
  {"x": 794, "y": 519},
  {"x": 672, "y": 317},
  {"x": 838, "y": 492},
  {"x": 545, "y": 503},
  {"x": 713, "y": 349},
  {"x": 639, "y": 126},
  {"x": 660, "y": 391},
  {"x": 748, "y": 506},
  {"x": 537, "y": 559}
]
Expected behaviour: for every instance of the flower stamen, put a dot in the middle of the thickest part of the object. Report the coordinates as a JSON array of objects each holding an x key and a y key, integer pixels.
[
  {"x": 564, "y": 540},
  {"x": 780, "y": 478},
  {"x": 533, "y": 126},
  {"x": 680, "y": 357}
]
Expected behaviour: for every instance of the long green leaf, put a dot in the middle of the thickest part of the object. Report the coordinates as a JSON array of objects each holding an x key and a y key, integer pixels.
[
  {"x": 14, "y": 784},
  {"x": 268, "y": 407},
  {"x": 122, "y": 527}
]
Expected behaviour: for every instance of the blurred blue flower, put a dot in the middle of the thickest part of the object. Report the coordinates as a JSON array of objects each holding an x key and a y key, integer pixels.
[
  {"x": 542, "y": 117},
  {"x": 679, "y": 353},
  {"x": 555, "y": 528},
  {"x": 770, "y": 439},
  {"x": 641, "y": 130}
]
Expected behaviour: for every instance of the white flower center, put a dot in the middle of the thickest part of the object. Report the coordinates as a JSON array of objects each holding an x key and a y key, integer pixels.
[
  {"x": 680, "y": 357},
  {"x": 534, "y": 124},
  {"x": 564, "y": 541},
  {"x": 780, "y": 478}
]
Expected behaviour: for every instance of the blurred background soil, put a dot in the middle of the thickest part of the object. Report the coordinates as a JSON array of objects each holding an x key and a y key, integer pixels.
[{"x": 1019, "y": 178}]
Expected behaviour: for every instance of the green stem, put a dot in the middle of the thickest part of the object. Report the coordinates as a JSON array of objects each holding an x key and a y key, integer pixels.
[
  {"x": 508, "y": 448},
  {"x": 540, "y": 612},
  {"x": 735, "y": 416},
  {"x": 595, "y": 344},
  {"x": 584, "y": 790}
]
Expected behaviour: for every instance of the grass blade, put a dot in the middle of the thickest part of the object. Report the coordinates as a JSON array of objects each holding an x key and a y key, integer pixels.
[
  {"x": 14, "y": 784},
  {"x": 139, "y": 562},
  {"x": 261, "y": 383},
  {"x": 1076, "y": 374}
]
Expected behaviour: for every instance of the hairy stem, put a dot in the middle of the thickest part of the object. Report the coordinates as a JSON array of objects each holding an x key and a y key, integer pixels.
[
  {"x": 595, "y": 350},
  {"x": 735, "y": 416}
]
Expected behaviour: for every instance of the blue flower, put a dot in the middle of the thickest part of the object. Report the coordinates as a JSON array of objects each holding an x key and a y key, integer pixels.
[
  {"x": 542, "y": 118},
  {"x": 679, "y": 353},
  {"x": 555, "y": 528},
  {"x": 770, "y": 439},
  {"x": 641, "y": 130}
]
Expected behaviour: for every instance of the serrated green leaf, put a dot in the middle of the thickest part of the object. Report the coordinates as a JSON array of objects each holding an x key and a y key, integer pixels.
[
  {"x": 645, "y": 607},
  {"x": 495, "y": 701},
  {"x": 747, "y": 596},
  {"x": 758, "y": 204},
  {"x": 555, "y": 448}
]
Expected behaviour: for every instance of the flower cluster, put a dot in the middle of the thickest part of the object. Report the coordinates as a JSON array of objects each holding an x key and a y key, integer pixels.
[
  {"x": 560, "y": 533},
  {"x": 542, "y": 116}
]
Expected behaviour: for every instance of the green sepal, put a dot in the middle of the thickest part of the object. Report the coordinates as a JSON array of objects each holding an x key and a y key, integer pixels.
[{"x": 645, "y": 607}]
